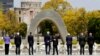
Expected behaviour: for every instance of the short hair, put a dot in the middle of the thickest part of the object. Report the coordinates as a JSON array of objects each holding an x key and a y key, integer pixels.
[
  {"x": 30, "y": 32},
  {"x": 68, "y": 34},
  {"x": 17, "y": 33},
  {"x": 48, "y": 32}
]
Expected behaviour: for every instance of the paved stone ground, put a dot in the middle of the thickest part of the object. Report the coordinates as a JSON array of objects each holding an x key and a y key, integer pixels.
[{"x": 42, "y": 53}]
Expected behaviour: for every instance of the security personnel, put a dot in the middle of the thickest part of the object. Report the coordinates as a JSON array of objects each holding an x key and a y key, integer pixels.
[
  {"x": 47, "y": 40},
  {"x": 82, "y": 42},
  {"x": 31, "y": 42},
  {"x": 69, "y": 44},
  {"x": 90, "y": 41},
  {"x": 55, "y": 44},
  {"x": 17, "y": 40}
]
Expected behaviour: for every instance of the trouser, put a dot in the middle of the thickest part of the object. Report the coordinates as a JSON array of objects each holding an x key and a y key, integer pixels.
[
  {"x": 55, "y": 48},
  {"x": 47, "y": 49},
  {"x": 69, "y": 49},
  {"x": 17, "y": 49},
  {"x": 30, "y": 50},
  {"x": 90, "y": 49},
  {"x": 82, "y": 49},
  {"x": 6, "y": 49}
]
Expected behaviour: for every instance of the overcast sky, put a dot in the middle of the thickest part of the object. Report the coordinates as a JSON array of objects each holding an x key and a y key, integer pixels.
[{"x": 87, "y": 4}]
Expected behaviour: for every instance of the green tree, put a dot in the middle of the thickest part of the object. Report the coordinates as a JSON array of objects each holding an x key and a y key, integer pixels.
[
  {"x": 94, "y": 24},
  {"x": 58, "y": 5},
  {"x": 82, "y": 21},
  {"x": 4, "y": 22},
  {"x": 76, "y": 21},
  {"x": 22, "y": 29},
  {"x": 13, "y": 22},
  {"x": 46, "y": 26}
]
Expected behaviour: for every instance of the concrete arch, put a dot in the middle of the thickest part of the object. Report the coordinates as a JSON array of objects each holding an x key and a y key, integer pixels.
[{"x": 48, "y": 15}]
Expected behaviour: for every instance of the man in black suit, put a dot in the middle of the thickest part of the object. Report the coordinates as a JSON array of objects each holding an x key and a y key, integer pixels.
[
  {"x": 69, "y": 44},
  {"x": 90, "y": 41},
  {"x": 31, "y": 42},
  {"x": 82, "y": 42},
  {"x": 55, "y": 44},
  {"x": 17, "y": 40},
  {"x": 47, "y": 40}
]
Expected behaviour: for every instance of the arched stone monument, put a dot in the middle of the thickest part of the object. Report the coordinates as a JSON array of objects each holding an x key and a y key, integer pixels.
[{"x": 48, "y": 15}]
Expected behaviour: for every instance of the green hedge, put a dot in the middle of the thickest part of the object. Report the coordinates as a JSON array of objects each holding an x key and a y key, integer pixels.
[
  {"x": 12, "y": 42},
  {"x": 74, "y": 42},
  {"x": 1, "y": 42}
]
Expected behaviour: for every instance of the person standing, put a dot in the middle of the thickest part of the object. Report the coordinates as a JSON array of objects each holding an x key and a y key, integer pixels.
[
  {"x": 69, "y": 44},
  {"x": 47, "y": 40},
  {"x": 7, "y": 42},
  {"x": 55, "y": 44},
  {"x": 82, "y": 42},
  {"x": 17, "y": 40},
  {"x": 31, "y": 42},
  {"x": 90, "y": 41}
]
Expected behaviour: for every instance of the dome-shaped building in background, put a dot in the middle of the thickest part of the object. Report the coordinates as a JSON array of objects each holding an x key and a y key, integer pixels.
[{"x": 28, "y": 9}]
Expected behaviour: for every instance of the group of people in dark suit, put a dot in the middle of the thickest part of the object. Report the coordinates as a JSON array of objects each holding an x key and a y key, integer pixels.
[
  {"x": 82, "y": 41},
  {"x": 54, "y": 39},
  {"x": 48, "y": 39}
]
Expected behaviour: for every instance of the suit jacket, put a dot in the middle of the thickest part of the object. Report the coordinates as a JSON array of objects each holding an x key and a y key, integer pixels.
[
  {"x": 82, "y": 40},
  {"x": 90, "y": 40},
  {"x": 55, "y": 40},
  {"x": 17, "y": 40},
  {"x": 30, "y": 40},
  {"x": 47, "y": 39},
  {"x": 69, "y": 40}
]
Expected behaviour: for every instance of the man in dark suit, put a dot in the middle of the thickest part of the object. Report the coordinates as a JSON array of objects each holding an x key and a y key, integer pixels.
[
  {"x": 90, "y": 41},
  {"x": 55, "y": 44},
  {"x": 82, "y": 42},
  {"x": 69, "y": 44},
  {"x": 17, "y": 40},
  {"x": 31, "y": 42},
  {"x": 47, "y": 40}
]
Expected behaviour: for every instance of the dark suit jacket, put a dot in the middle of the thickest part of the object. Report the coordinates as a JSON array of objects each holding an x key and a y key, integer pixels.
[
  {"x": 55, "y": 40},
  {"x": 82, "y": 40},
  {"x": 17, "y": 40},
  {"x": 90, "y": 40},
  {"x": 69, "y": 40},
  {"x": 47, "y": 39},
  {"x": 30, "y": 40}
]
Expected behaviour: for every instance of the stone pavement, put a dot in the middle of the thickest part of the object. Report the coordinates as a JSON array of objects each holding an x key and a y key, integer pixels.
[{"x": 42, "y": 53}]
